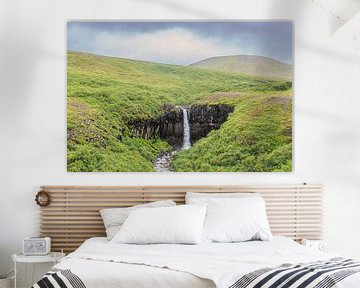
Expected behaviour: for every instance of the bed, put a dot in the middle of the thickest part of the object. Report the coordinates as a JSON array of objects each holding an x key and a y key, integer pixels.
[
  {"x": 99, "y": 263},
  {"x": 294, "y": 211}
]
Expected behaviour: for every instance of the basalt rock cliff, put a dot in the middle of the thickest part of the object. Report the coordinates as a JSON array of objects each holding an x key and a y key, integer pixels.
[
  {"x": 170, "y": 126},
  {"x": 204, "y": 118}
]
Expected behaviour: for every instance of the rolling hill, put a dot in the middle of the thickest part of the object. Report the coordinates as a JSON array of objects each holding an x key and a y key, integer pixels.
[
  {"x": 248, "y": 64},
  {"x": 104, "y": 94}
]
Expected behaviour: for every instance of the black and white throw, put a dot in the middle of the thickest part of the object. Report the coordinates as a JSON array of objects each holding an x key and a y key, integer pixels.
[
  {"x": 319, "y": 274},
  {"x": 58, "y": 278}
]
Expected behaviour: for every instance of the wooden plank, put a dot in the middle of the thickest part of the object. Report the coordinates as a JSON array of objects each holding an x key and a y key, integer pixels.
[{"x": 196, "y": 187}]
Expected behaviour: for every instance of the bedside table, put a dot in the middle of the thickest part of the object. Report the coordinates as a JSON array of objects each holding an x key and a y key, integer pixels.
[
  {"x": 320, "y": 245},
  {"x": 53, "y": 257}
]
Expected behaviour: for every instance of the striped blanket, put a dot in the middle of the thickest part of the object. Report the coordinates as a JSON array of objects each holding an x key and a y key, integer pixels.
[
  {"x": 320, "y": 274},
  {"x": 57, "y": 278}
]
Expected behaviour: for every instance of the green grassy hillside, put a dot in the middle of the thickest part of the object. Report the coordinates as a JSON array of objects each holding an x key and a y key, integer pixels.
[
  {"x": 256, "y": 137},
  {"x": 248, "y": 64},
  {"x": 105, "y": 93}
]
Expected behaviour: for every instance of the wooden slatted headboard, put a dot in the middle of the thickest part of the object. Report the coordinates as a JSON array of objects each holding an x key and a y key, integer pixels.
[{"x": 73, "y": 215}]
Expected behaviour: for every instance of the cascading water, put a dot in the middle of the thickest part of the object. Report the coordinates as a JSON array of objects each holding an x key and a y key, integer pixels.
[
  {"x": 163, "y": 162},
  {"x": 186, "y": 138}
]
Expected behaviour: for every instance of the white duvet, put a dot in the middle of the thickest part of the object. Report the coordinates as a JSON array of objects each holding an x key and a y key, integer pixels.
[{"x": 100, "y": 263}]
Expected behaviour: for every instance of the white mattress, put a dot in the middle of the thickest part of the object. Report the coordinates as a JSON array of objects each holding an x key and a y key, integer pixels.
[{"x": 102, "y": 264}]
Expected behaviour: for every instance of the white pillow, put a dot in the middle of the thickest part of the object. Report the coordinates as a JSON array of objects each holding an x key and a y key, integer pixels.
[
  {"x": 236, "y": 220},
  {"x": 113, "y": 218},
  {"x": 204, "y": 198},
  {"x": 180, "y": 224}
]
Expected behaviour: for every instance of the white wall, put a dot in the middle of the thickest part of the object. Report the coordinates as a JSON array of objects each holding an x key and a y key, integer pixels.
[{"x": 33, "y": 109}]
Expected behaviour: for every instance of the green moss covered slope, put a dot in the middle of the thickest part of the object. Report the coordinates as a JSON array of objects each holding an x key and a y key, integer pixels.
[{"x": 105, "y": 93}]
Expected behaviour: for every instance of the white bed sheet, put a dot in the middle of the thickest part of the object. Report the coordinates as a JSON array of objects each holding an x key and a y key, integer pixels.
[
  {"x": 100, "y": 263},
  {"x": 101, "y": 274}
]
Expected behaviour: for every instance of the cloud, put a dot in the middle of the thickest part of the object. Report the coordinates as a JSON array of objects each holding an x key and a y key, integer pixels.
[
  {"x": 175, "y": 45},
  {"x": 181, "y": 42}
]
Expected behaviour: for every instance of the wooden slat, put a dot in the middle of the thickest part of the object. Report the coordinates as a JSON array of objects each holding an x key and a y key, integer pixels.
[{"x": 73, "y": 216}]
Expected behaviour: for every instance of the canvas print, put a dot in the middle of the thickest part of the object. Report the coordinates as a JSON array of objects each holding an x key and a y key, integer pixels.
[{"x": 179, "y": 96}]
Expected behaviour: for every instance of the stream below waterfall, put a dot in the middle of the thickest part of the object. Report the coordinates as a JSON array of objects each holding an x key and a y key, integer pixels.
[{"x": 163, "y": 162}]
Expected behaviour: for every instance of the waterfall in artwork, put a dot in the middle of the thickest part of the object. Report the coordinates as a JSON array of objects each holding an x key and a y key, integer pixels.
[
  {"x": 163, "y": 162},
  {"x": 186, "y": 138}
]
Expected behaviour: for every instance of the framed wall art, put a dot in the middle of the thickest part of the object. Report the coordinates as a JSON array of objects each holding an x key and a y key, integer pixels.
[{"x": 202, "y": 96}]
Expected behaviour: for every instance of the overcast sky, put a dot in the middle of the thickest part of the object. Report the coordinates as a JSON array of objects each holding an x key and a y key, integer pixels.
[{"x": 181, "y": 43}]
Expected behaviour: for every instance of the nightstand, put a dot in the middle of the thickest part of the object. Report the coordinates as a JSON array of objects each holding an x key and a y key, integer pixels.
[
  {"x": 53, "y": 257},
  {"x": 320, "y": 245}
]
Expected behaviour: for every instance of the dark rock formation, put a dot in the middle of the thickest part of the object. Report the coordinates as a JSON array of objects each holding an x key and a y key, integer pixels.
[
  {"x": 204, "y": 118},
  {"x": 170, "y": 126}
]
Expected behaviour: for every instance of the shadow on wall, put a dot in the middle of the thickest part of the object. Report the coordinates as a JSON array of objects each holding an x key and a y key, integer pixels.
[
  {"x": 181, "y": 7},
  {"x": 22, "y": 42}
]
